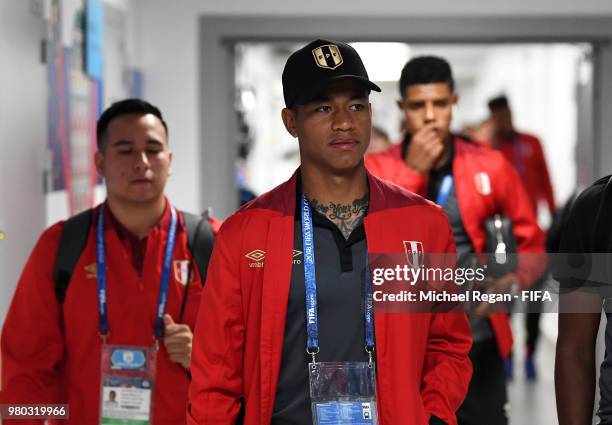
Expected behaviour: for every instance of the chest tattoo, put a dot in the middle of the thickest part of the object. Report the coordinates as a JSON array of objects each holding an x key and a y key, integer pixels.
[{"x": 346, "y": 217}]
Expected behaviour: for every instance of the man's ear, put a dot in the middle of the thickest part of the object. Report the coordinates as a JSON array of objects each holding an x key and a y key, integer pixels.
[
  {"x": 288, "y": 116},
  {"x": 400, "y": 104},
  {"x": 455, "y": 98},
  {"x": 99, "y": 161}
]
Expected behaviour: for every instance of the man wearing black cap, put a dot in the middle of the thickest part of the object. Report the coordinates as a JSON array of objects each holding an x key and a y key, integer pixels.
[{"x": 287, "y": 308}]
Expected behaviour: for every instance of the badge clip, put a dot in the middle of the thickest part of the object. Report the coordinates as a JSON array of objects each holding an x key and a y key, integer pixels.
[
  {"x": 313, "y": 353},
  {"x": 370, "y": 352}
]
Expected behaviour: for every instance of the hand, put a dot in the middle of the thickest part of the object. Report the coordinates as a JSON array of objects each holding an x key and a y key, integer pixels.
[
  {"x": 177, "y": 340},
  {"x": 491, "y": 285},
  {"x": 425, "y": 149}
]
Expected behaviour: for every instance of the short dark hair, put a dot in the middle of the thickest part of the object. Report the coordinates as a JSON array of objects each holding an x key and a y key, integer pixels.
[
  {"x": 125, "y": 107},
  {"x": 426, "y": 70},
  {"x": 498, "y": 102}
]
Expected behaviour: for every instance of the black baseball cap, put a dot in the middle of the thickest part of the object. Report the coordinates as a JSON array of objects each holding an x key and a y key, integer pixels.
[{"x": 312, "y": 68}]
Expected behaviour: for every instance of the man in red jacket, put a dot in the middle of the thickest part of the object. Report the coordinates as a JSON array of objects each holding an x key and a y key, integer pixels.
[
  {"x": 524, "y": 152},
  {"x": 286, "y": 283},
  {"x": 135, "y": 269},
  {"x": 472, "y": 184}
]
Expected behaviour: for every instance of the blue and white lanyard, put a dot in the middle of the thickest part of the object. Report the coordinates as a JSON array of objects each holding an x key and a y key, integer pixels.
[
  {"x": 445, "y": 188},
  {"x": 102, "y": 281},
  {"x": 312, "y": 316}
]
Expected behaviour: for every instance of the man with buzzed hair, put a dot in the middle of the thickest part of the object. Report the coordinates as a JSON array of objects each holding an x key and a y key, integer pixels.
[
  {"x": 117, "y": 318},
  {"x": 472, "y": 184}
]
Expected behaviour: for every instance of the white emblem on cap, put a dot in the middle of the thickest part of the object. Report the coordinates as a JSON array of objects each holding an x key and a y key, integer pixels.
[{"x": 327, "y": 56}]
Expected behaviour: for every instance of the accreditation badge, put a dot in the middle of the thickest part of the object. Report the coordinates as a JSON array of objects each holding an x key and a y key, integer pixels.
[
  {"x": 126, "y": 389},
  {"x": 343, "y": 393}
]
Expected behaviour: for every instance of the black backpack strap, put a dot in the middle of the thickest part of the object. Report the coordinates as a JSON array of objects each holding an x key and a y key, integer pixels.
[
  {"x": 72, "y": 243},
  {"x": 200, "y": 241}
]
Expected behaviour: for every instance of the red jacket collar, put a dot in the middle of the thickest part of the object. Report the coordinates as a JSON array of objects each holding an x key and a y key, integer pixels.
[{"x": 124, "y": 233}]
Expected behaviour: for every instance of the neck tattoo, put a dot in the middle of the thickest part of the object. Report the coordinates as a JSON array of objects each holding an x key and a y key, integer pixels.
[{"x": 345, "y": 217}]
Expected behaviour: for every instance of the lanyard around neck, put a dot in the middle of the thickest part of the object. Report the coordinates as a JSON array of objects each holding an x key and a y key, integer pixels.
[
  {"x": 102, "y": 280},
  {"x": 312, "y": 316}
]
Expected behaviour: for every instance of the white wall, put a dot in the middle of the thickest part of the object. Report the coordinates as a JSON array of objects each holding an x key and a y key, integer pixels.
[
  {"x": 168, "y": 53},
  {"x": 23, "y": 140}
]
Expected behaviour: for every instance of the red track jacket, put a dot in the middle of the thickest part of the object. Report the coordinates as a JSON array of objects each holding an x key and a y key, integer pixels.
[
  {"x": 51, "y": 351},
  {"x": 423, "y": 364},
  {"x": 479, "y": 201},
  {"x": 524, "y": 151}
]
